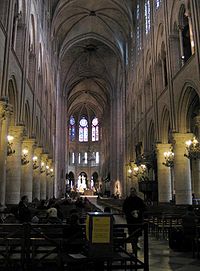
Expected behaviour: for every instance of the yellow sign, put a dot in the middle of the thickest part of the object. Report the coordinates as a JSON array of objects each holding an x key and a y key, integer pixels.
[{"x": 101, "y": 230}]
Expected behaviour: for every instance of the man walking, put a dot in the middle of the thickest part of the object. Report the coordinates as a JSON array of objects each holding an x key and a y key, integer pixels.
[{"x": 134, "y": 208}]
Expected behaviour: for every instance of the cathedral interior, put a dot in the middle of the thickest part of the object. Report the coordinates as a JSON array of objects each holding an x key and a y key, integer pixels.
[{"x": 100, "y": 96}]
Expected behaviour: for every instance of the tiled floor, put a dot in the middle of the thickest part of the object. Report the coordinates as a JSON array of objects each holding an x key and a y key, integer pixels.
[{"x": 162, "y": 258}]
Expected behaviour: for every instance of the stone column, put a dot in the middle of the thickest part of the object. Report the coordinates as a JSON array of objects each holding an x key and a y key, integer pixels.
[
  {"x": 13, "y": 171},
  {"x": 5, "y": 112},
  {"x": 196, "y": 165},
  {"x": 48, "y": 178},
  {"x": 27, "y": 170},
  {"x": 36, "y": 174},
  {"x": 196, "y": 178},
  {"x": 43, "y": 181},
  {"x": 164, "y": 175},
  {"x": 182, "y": 173},
  {"x": 52, "y": 180}
]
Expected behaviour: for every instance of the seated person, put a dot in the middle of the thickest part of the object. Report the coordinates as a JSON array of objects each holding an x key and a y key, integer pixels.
[
  {"x": 52, "y": 217},
  {"x": 73, "y": 235},
  {"x": 189, "y": 221},
  {"x": 24, "y": 213}
]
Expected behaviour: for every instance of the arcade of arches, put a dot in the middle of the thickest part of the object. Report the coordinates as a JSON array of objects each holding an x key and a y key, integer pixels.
[{"x": 93, "y": 93}]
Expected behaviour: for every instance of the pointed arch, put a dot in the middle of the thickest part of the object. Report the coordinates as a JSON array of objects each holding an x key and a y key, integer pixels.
[
  {"x": 165, "y": 121},
  {"x": 189, "y": 107},
  {"x": 13, "y": 100}
]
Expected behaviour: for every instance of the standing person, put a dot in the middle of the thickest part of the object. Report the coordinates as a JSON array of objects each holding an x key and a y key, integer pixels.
[
  {"x": 24, "y": 213},
  {"x": 134, "y": 207}
]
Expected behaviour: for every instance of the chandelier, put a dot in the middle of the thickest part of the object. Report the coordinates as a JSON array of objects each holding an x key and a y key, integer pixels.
[
  {"x": 169, "y": 158},
  {"x": 192, "y": 149},
  {"x": 24, "y": 156},
  {"x": 10, "y": 149},
  {"x": 138, "y": 171}
]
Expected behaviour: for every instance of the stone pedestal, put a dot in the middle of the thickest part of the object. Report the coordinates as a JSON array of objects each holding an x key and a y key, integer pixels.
[
  {"x": 13, "y": 172},
  {"x": 182, "y": 173},
  {"x": 27, "y": 170},
  {"x": 164, "y": 175}
]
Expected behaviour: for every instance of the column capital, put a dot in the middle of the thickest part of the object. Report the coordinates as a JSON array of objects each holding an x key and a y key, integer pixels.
[
  {"x": 38, "y": 151},
  {"x": 17, "y": 132},
  {"x": 162, "y": 147},
  {"x": 180, "y": 138},
  {"x": 5, "y": 110},
  {"x": 44, "y": 157}
]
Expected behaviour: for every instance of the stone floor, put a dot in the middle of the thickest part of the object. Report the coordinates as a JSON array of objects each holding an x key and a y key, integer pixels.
[{"x": 161, "y": 257}]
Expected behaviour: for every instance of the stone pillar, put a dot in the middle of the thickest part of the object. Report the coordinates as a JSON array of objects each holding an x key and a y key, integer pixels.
[
  {"x": 48, "y": 178},
  {"x": 43, "y": 181},
  {"x": 196, "y": 166},
  {"x": 27, "y": 170},
  {"x": 13, "y": 171},
  {"x": 52, "y": 180},
  {"x": 36, "y": 174},
  {"x": 164, "y": 175},
  {"x": 4, "y": 122},
  {"x": 196, "y": 178},
  {"x": 182, "y": 173}
]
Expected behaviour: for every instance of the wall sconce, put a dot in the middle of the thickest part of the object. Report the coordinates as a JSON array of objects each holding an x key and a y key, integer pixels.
[
  {"x": 192, "y": 149},
  {"x": 35, "y": 165},
  {"x": 169, "y": 158},
  {"x": 10, "y": 149},
  {"x": 42, "y": 170},
  {"x": 24, "y": 160}
]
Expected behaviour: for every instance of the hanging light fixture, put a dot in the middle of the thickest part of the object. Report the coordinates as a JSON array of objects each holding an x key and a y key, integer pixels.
[
  {"x": 35, "y": 164},
  {"x": 10, "y": 149},
  {"x": 192, "y": 149},
  {"x": 139, "y": 171},
  {"x": 24, "y": 160},
  {"x": 169, "y": 158}
]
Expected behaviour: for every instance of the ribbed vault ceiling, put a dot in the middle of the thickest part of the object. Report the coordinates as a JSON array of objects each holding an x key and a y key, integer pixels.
[{"x": 91, "y": 38}]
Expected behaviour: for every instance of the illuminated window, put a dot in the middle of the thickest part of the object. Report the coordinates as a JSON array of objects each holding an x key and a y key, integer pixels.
[
  {"x": 72, "y": 133},
  {"x": 79, "y": 158},
  {"x": 138, "y": 28},
  {"x": 83, "y": 130},
  {"x": 97, "y": 157},
  {"x": 85, "y": 157},
  {"x": 147, "y": 12},
  {"x": 95, "y": 129},
  {"x": 73, "y": 158}
]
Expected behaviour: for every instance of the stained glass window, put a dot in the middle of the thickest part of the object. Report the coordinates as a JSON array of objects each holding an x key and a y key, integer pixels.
[
  {"x": 95, "y": 129},
  {"x": 138, "y": 28},
  {"x": 72, "y": 130},
  {"x": 83, "y": 130},
  {"x": 147, "y": 16},
  {"x": 157, "y": 2}
]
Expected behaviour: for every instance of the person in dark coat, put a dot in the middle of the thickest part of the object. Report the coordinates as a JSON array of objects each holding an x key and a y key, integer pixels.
[
  {"x": 133, "y": 208},
  {"x": 73, "y": 235},
  {"x": 24, "y": 213}
]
